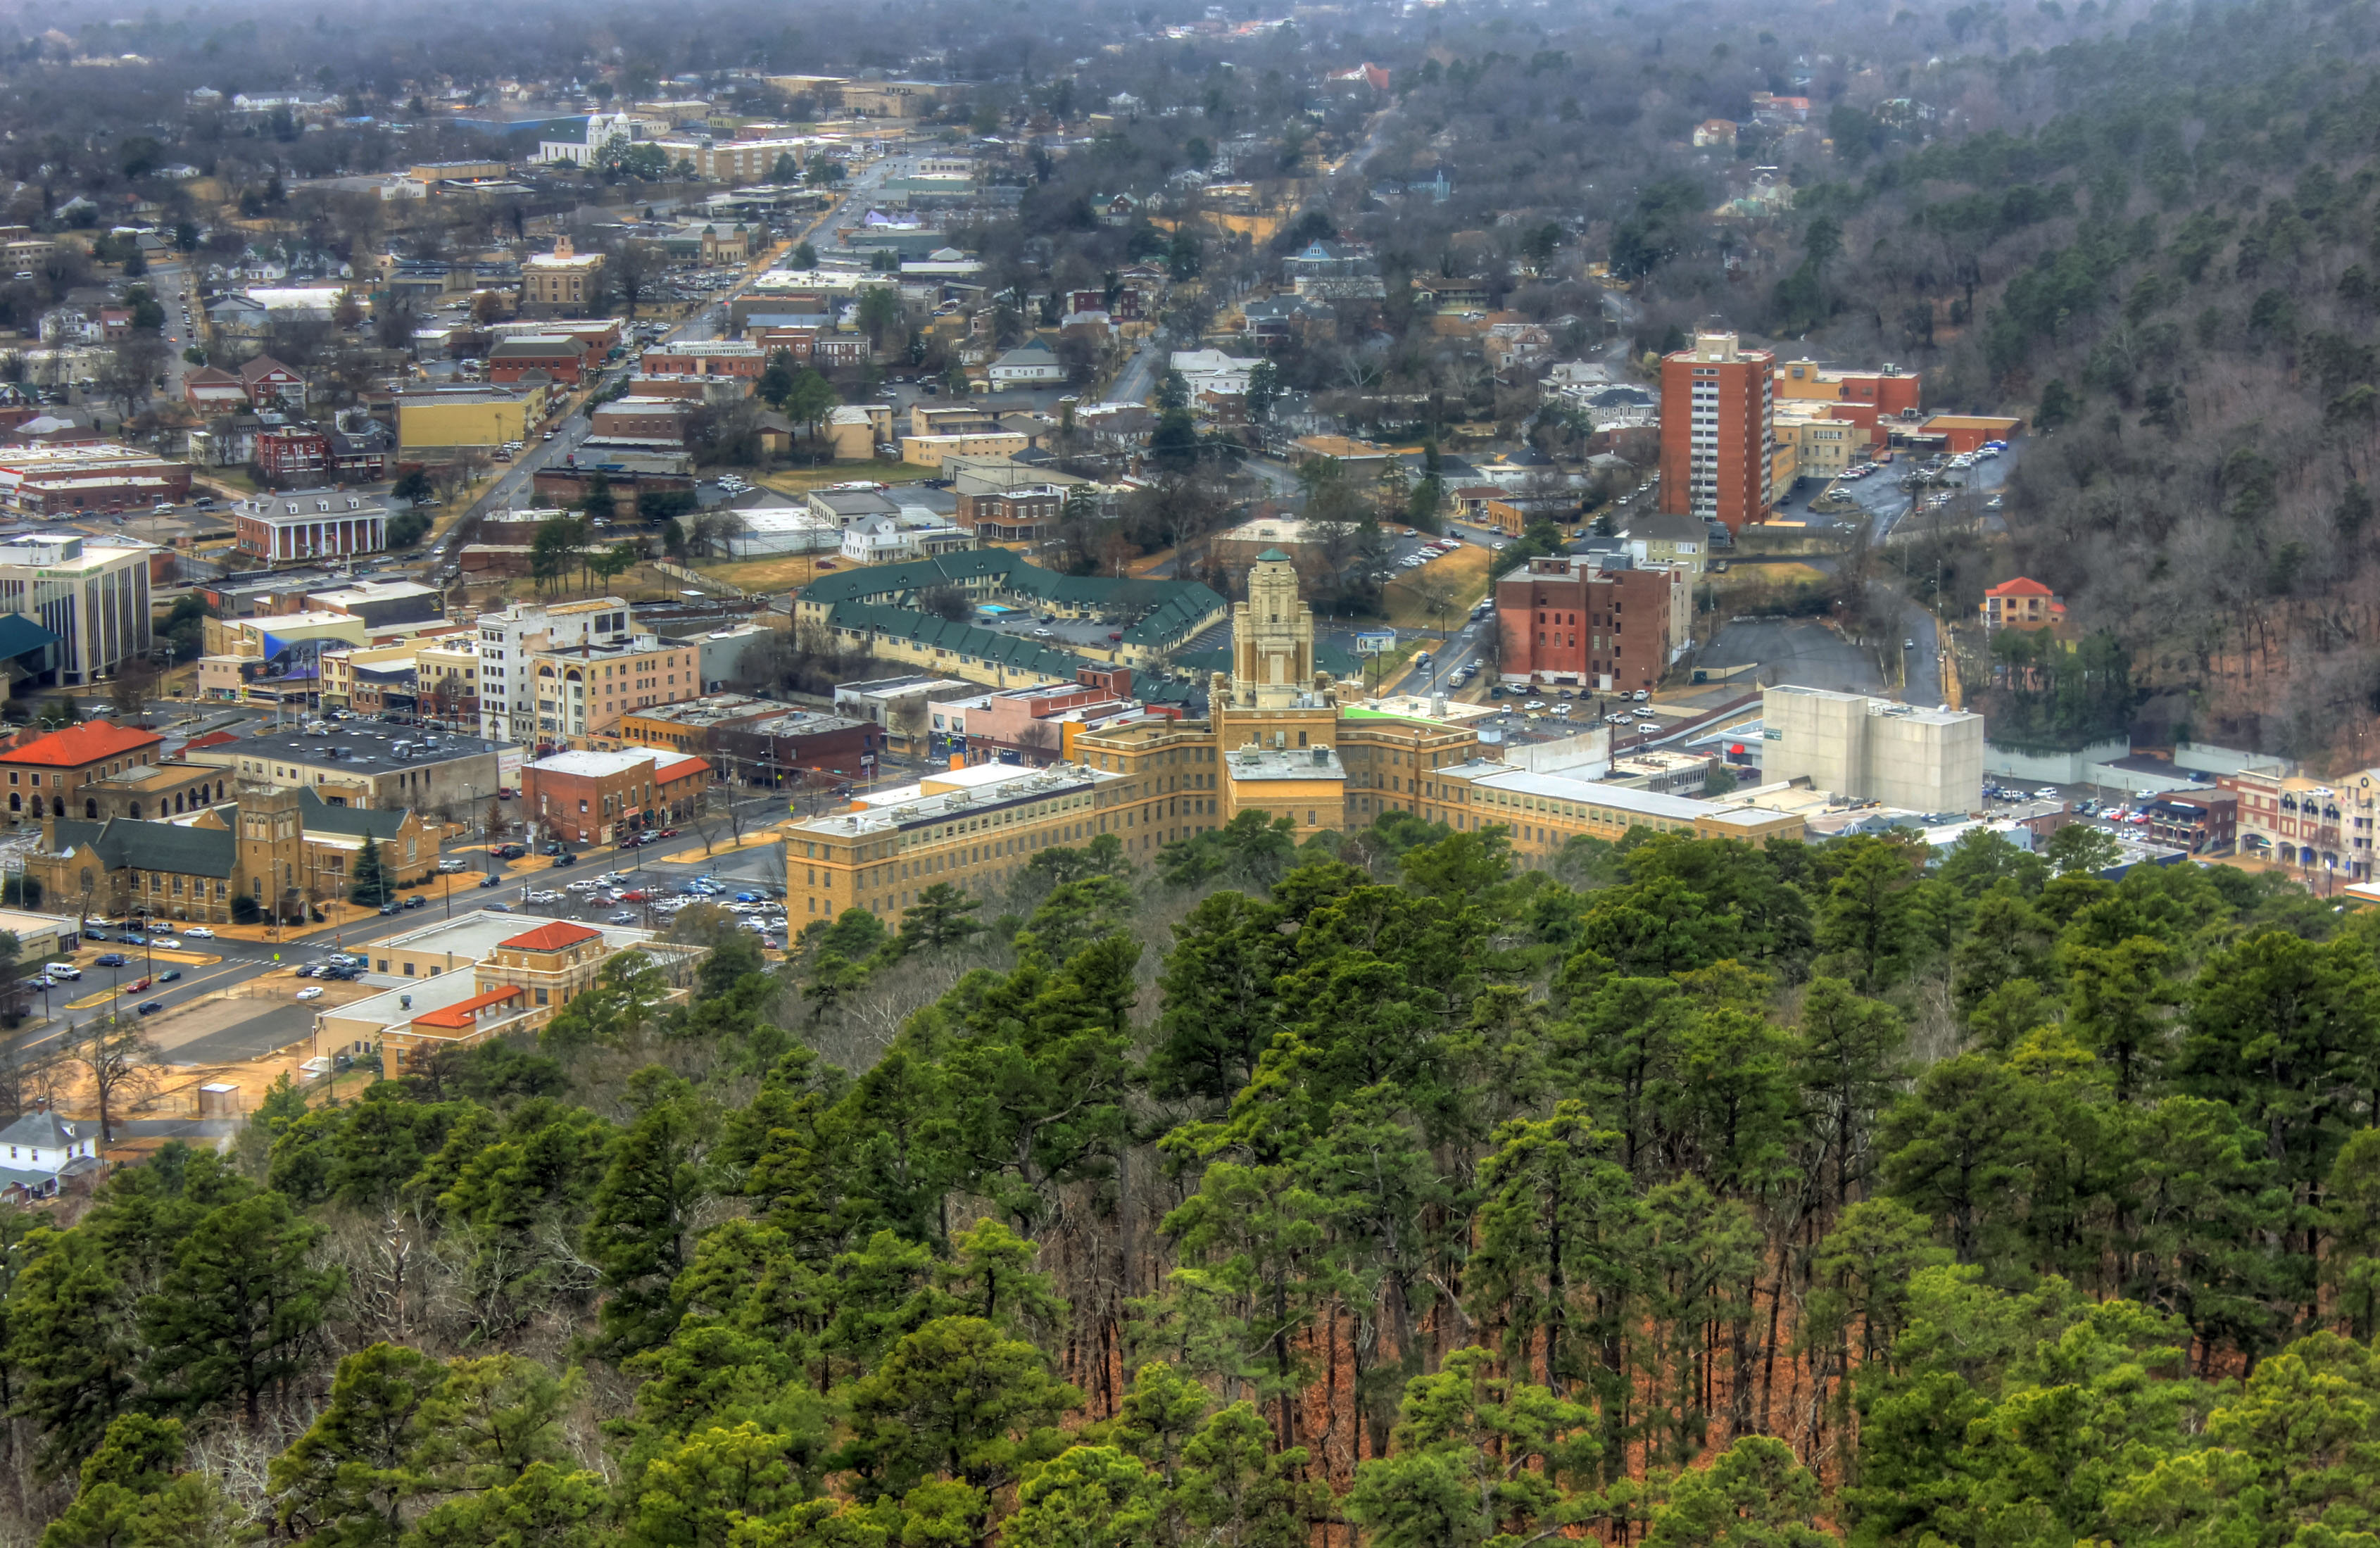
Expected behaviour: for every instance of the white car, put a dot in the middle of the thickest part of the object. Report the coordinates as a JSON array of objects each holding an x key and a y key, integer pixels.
[
  {"x": 167, "y": 942},
  {"x": 200, "y": 932},
  {"x": 310, "y": 993},
  {"x": 62, "y": 969}
]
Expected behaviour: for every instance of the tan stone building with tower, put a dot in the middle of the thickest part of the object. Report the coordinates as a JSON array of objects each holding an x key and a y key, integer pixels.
[{"x": 1278, "y": 739}]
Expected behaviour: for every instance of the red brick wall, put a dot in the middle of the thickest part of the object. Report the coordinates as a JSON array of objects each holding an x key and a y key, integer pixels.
[{"x": 1585, "y": 628}]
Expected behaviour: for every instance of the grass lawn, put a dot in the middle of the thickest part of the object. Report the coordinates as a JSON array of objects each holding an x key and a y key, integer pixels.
[
  {"x": 1468, "y": 571},
  {"x": 780, "y": 574},
  {"x": 801, "y": 480}
]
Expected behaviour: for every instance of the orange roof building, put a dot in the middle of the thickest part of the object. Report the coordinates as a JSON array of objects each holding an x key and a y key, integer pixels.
[
  {"x": 495, "y": 1004},
  {"x": 2023, "y": 603},
  {"x": 550, "y": 937},
  {"x": 47, "y": 773}
]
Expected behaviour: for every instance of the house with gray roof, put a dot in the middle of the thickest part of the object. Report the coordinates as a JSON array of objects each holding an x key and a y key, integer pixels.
[{"x": 42, "y": 1151}]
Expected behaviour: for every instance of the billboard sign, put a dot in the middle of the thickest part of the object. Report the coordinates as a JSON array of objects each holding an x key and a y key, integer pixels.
[{"x": 1376, "y": 642}]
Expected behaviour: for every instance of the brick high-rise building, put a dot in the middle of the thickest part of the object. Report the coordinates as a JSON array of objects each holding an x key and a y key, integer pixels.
[
  {"x": 1569, "y": 620},
  {"x": 1717, "y": 436}
]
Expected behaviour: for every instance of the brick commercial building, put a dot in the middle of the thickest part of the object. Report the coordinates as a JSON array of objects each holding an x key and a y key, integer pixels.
[
  {"x": 705, "y": 357},
  {"x": 1592, "y": 621},
  {"x": 590, "y": 798},
  {"x": 560, "y": 356},
  {"x": 783, "y": 748},
  {"x": 2202, "y": 821},
  {"x": 1718, "y": 440},
  {"x": 659, "y": 421},
  {"x": 293, "y": 456},
  {"x": 57, "y": 479},
  {"x": 694, "y": 726},
  {"x": 1026, "y": 514},
  {"x": 47, "y": 773}
]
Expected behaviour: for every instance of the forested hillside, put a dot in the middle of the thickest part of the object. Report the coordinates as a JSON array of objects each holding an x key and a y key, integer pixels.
[
  {"x": 1372, "y": 1193},
  {"x": 2167, "y": 258}
]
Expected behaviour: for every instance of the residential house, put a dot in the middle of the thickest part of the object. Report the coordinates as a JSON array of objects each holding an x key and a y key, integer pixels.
[
  {"x": 2023, "y": 603},
  {"x": 44, "y": 1151},
  {"x": 271, "y": 385},
  {"x": 1027, "y": 365}
]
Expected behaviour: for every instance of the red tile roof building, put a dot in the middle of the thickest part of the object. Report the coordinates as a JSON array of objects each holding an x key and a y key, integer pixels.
[
  {"x": 2021, "y": 603},
  {"x": 47, "y": 773}
]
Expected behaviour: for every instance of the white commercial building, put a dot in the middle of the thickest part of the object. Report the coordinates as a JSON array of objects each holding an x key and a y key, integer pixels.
[
  {"x": 1874, "y": 749},
  {"x": 507, "y": 641},
  {"x": 92, "y": 594}
]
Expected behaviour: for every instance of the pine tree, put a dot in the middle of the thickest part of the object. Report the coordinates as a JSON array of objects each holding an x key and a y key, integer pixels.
[
  {"x": 239, "y": 1306},
  {"x": 371, "y": 883}
]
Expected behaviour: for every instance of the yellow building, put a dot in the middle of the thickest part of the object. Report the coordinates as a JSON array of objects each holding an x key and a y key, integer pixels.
[
  {"x": 1821, "y": 448},
  {"x": 440, "y": 424},
  {"x": 1278, "y": 741},
  {"x": 928, "y": 451},
  {"x": 482, "y": 976}
]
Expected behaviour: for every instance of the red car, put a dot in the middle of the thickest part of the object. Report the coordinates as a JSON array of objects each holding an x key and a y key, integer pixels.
[
  {"x": 669, "y": 833},
  {"x": 637, "y": 895},
  {"x": 136, "y": 988}
]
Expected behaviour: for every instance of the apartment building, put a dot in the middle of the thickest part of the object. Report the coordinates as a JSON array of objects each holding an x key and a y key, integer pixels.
[
  {"x": 92, "y": 594},
  {"x": 1718, "y": 439},
  {"x": 583, "y": 692},
  {"x": 508, "y": 702}
]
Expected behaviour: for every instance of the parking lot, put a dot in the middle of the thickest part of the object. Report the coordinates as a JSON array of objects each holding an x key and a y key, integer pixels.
[{"x": 1798, "y": 652}]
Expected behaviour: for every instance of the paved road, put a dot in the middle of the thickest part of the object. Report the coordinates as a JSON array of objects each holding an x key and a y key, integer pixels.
[{"x": 1137, "y": 380}]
